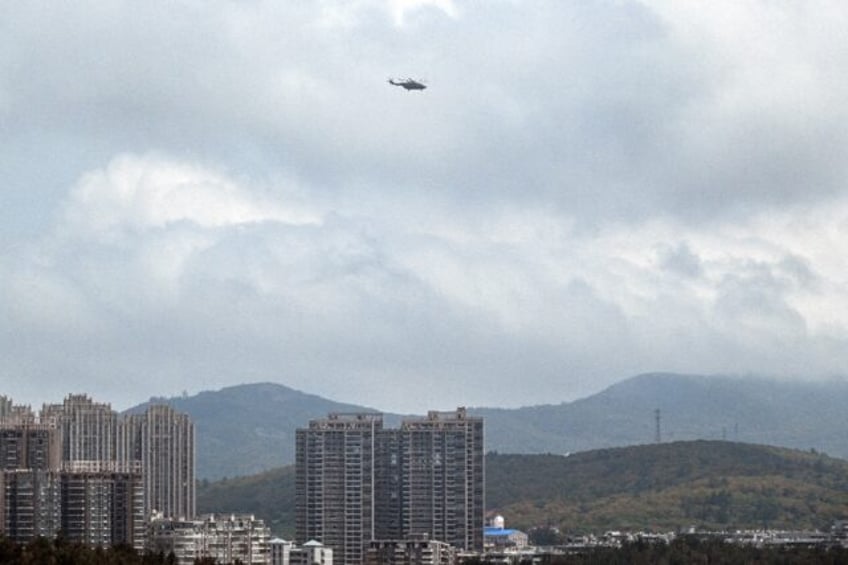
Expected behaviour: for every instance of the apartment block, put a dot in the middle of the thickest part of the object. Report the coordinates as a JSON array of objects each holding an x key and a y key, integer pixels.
[
  {"x": 28, "y": 444},
  {"x": 89, "y": 429},
  {"x": 82, "y": 468},
  {"x": 442, "y": 478},
  {"x": 103, "y": 503},
  {"x": 335, "y": 483},
  {"x": 30, "y": 504},
  {"x": 163, "y": 440},
  {"x": 358, "y": 482}
]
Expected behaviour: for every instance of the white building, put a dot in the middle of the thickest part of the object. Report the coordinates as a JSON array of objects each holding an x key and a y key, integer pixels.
[
  {"x": 226, "y": 538},
  {"x": 311, "y": 553}
]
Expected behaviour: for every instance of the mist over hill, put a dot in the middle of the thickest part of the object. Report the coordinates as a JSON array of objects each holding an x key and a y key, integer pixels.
[{"x": 250, "y": 428}]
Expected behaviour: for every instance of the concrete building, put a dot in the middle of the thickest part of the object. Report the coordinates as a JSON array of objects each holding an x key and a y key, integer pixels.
[
  {"x": 94, "y": 506},
  {"x": 335, "y": 483},
  {"x": 311, "y": 553},
  {"x": 30, "y": 504},
  {"x": 103, "y": 503},
  {"x": 89, "y": 429},
  {"x": 30, "y": 444},
  {"x": 357, "y": 482},
  {"x": 162, "y": 439},
  {"x": 442, "y": 478},
  {"x": 280, "y": 551},
  {"x": 81, "y": 468},
  {"x": 11, "y": 412},
  {"x": 228, "y": 538},
  {"x": 421, "y": 551}
]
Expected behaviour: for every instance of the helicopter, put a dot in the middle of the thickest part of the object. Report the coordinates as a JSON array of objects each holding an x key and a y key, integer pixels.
[{"x": 409, "y": 84}]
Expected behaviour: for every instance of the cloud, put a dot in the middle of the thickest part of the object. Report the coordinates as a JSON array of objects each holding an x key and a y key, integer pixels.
[
  {"x": 176, "y": 276},
  {"x": 196, "y": 196},
  {"x": 149, "y": 193}
]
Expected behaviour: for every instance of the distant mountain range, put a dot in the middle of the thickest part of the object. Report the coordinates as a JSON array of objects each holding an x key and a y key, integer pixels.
[{"x": 246, "y": 429}]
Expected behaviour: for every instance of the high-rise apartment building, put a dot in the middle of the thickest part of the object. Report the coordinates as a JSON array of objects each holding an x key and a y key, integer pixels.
[
  {"x": 335, "y": 483},
  {"x": 163, "y": 440},
  {"x": 90, "y": 430},
  {"x": 27, "y": 444},
  {"x": 30, "y": 504},
  {"x": 357, "y": 482},
  {"x": 160, "y": 438},
  {"x": 103, "y": 503},
  {"x": 81, "y": 468},
  {"x": 442, "y": 478}
]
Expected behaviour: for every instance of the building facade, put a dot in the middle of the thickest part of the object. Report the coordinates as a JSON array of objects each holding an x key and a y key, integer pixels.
[
  {"x": 80, "y": 468},
  {"x": 89, "y": 429},
  {"x": 227, "y": 538},
  {"x": 420, "y": 551},
  {"x": 103, "y": 503},
  {"x": 163, "y": 440},
  {"x": 335, "y": 483},
  {"x": 442, "y": 478},
  {"x": 28, "y": 444},
  {"x": 30, "y": 504},
  {"x": 357, "y": 481}
]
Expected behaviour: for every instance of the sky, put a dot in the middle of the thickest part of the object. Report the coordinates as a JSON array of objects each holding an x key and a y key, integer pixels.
[{"x": 200, "y": 194}]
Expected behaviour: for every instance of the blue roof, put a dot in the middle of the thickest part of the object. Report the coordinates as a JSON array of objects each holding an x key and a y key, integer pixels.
[{"x": 492, "y": 531}]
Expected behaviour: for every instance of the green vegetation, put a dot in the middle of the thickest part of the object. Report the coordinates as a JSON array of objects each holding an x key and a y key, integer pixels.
[
  {"x": 709, "y": 484},
  {"x": 269, "y": 496},
  {"x": 687, "y": 549},
  {"x": 61, "y": 552}
]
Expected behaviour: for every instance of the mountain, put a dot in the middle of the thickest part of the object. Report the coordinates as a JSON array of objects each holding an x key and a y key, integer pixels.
[
  {"x": 711, "y": 484},
  {"x": 801, "y": 415},
  {"x": 245, "y": 429},
  {"x": 250, "y": 428}
]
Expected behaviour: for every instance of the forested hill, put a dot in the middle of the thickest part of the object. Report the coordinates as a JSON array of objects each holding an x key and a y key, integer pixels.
[{"x": 713, "y": 484}]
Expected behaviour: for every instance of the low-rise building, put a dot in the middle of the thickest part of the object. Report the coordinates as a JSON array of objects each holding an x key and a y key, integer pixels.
[
  {"x": 418, "y": 551},
  {"x": 311, "y": 553},
  {"x": 229, "y": 538}
]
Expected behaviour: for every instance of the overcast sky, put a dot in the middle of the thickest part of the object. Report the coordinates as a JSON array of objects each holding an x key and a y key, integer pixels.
[{"x": 200, "y": 194}]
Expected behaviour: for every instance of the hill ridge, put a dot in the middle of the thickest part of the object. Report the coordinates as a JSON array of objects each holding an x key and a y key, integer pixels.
[{"x": 246, "y": 428}]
